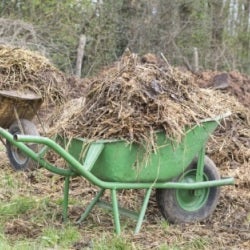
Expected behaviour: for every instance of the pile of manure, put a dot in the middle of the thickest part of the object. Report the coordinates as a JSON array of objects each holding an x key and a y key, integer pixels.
[
  {"x": 23, "y": 70},
  {"x": 135, "y": 97}
]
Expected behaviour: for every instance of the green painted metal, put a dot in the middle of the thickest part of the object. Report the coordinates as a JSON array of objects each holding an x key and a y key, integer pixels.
[
  {"x": 35, "y": 156},
  {"x": 78, "y": 168},
  {"x": 191, "y": 200},
  {"x": 115, "y": 211},
  {"x": 92, "y": 155},
  {"x": 123, "y": 162},
  {"x": 200, "y": 164},
  {"x": 90, "y": 206},
  {"x": 123, "y": 211},
  {"x": 143, "y": 210},
  {"x": 200, "y": 170},
  {"x": 66, "y": 197}
]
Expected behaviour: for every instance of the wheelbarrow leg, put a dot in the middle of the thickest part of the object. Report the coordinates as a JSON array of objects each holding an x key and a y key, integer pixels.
[
  {"x": 90, "y": 206},
  {"x": 115, "y": 211},
  {"x": 66, "y": 198},
  {"x": 143, "y": 211}
]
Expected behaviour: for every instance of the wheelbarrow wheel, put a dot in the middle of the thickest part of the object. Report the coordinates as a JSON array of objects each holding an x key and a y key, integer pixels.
[
  {"x": 18, "y": 160},
  {"x": 184, "y": 206}
]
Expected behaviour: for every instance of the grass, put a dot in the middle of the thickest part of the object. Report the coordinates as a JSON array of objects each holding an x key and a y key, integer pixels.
[
  {"x": 62, "y": 236},
  {"x": 19, "y": 245},
  {"x": 25, "y": 217},
  {"x": 16, "y": 206},
  {"x": 165, "y": 225},
  {"x": 108, "y": 242},
  {"x": 198, "y": 243},
  {"x": 50, "y": 239}
]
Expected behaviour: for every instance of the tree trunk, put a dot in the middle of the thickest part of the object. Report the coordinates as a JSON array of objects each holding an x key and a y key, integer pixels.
[
  {"x": 218, "y": 19},
  {"x": 80, "y": 54}
]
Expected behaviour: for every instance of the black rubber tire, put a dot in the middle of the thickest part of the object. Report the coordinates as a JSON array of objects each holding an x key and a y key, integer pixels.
[
  {"x": 170, "y": 201},
  {"x": 18, "y": 159}
]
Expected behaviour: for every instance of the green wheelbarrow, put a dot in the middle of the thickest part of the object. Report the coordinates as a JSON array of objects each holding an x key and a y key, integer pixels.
[{"x": 187, "y": 182}]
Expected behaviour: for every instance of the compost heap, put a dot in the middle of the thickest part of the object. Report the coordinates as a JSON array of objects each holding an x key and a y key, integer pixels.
[
  {"x": 23, "y": 70},
  {"x": 135, "y": 97},
  {"x": 230, "y": 145}
]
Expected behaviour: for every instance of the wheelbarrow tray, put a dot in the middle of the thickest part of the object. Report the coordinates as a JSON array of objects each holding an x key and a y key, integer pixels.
[
  {"x": 16, "y": 104},
  {"x": 120, "y": 161}
]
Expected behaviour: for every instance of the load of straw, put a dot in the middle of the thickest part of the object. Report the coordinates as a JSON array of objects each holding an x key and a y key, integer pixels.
[
  {"x": 135, "y": 97},
  {"x": 23, "y": 70}
]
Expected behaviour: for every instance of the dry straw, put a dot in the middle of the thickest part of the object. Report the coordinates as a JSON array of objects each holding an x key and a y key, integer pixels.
[{"x": 137, "y": 96}]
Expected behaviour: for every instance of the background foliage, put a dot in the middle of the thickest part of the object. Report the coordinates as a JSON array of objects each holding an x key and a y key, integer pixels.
[{"x": 219, "y": 29}]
